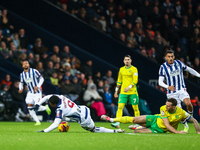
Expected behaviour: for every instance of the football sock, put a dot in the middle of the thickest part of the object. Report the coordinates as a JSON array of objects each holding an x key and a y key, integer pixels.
[
  {"x": 125, "y": 119},
  {"x": 136, "y": 110},
  {"x": 42, "y": 108},
  {"x": 33, "y": 114},
  {"x": 120, "y": 109},
  {"x": 103, "y": 130},
  {"x": 191, "y": 113}
]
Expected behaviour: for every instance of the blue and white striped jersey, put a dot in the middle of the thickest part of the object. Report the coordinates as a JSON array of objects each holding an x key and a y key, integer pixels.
[
  {"x": 31, "y": 78},
  {"x": 173, "y": 75}
]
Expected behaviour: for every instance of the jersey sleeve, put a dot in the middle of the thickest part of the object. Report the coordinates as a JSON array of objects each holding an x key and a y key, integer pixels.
[
  {"x": 21, "y": 78},
  {"x": 59, "y": 113},
  {"x": 162, "y": 112},
  {"x": 119, "y": 79},
  {"x": 37, "y": 74},
  {"x": 135, "y": 76},
  {"x": 161, "y": 71}
]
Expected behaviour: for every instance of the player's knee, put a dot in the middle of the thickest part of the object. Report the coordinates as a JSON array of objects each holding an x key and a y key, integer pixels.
[{"x": 188, "y": 103}]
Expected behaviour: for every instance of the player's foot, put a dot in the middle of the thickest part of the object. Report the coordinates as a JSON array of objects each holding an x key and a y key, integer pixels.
[
  {"x": 135, "y": 126},
  {"x": 48, "y": 110},
  {"x": 106, "y": 118},
  {"x": 186, "y": 129},
  {"x": 116, "y": 124},
  {"x": 120, "y": 131},
  {"x": 37, "y": 124}
]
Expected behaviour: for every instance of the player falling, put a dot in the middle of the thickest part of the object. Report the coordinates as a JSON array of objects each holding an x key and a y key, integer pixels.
[
  {"x": 67, "y": 108},
  {"x": 127, "y": 79},
  {"x": 34, "y": 81},
  {"x": 172, "y": 73}
]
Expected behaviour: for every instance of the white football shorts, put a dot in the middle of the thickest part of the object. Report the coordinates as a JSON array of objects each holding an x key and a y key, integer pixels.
[
  {"x": 32, "y": 98},
  {"x": 179, "y": 96},
  {"x": 86, "y": 121}
]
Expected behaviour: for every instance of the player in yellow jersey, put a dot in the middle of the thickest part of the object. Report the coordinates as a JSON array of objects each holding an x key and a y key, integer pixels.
[
  {"x": 168, "y": 119},
  {"x": 127, "y": 79}
]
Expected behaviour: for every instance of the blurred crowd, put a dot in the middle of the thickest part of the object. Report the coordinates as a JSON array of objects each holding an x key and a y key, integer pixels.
[{"x": 149, "y": 27}]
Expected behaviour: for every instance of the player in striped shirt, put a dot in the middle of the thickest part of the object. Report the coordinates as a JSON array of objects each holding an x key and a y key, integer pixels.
[
  {"x": 34, "y": 81},
  {"x": 172, "y": 73}
]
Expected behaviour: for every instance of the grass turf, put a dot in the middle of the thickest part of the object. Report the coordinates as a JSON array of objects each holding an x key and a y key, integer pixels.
[{"x": 23, "y": 136}]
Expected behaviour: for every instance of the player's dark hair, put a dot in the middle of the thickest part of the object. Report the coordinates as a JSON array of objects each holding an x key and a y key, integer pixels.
[
  {"x": 173, "y": 101},
  {"x": 169, "y": 52},
  {"x": 54, "y": 99},
  {"x": 127, "y": 56}
]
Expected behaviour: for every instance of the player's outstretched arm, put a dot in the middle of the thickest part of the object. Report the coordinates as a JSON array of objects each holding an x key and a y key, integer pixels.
[
  {"x": 196, "y": 124},
  {"x": 170, "y": 128},
  {"x": 54, "y": 125},
  {"x": 192, "y": 71}
]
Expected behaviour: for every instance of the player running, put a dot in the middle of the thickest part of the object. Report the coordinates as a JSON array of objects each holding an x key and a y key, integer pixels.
[
  {"x": 127, "y": 79},
  {"x": 34, "y": 81},
  {"x": 67, "y": 108},
  {"x": 172, "y": 73},
  {"x": 168, "y": 119}
]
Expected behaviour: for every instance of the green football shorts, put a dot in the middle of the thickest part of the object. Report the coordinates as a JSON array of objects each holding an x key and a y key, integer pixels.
[
  {"x": 151, "y": 123},
  {"x": 132, "y": 98}
]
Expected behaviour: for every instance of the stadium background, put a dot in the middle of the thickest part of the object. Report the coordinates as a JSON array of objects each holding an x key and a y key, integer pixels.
[{"x": 55, "y": 27}]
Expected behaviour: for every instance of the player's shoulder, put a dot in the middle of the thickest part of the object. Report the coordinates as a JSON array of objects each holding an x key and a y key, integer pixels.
[
  {"x": 163, "y": 108},
  {"x": 133, "y": 67}
]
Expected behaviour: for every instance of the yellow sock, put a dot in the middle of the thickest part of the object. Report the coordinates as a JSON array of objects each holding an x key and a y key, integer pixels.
[
  {"x": 120, "y": 109},
  {"x": 136, "y": 110},
  {"x": 125, "y": 119}
]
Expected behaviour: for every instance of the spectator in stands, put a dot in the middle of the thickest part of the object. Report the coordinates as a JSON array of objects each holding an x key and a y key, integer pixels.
[
  {"x": 159, "y": 49},
  {"x": 83, "y": 15},
  {"x": 95, "y": 23},
  {"x": 196, "y": 34},
  {"x": 111, "y": 80},
  {"x": 73, "y": 69},
  {"x": 8, "y": 40},
  {"x": 15, "y": 52},
  {"x": 93, "y": 99},
  {"x": 31, "y": 60},
  {"x": 58, "y": 68},
  {"x": 167, "y": 6},
  {"x": 40, "y": 68},
  {"x": 196, "y": 24},
  {"x": 103, "y": 23},
  {"x": 19, "y": 98},
  {"x": 64, "y": 7},
  {"x": 49, "y": 70},
  {"x": 15, "y": 38},
  {"x": 150, "y": 55},
  {"x": 97, "y": 77},
  {"x": 132, "y": 40},
  {"x": 197, "y": 64},
  {"x": 165, "y": 25},
  {"x": 116, "y": 31},
  {"x": 60, "y": 79},
  {"x": 148, "y": 40},
  {"x": 87, "y": 68},
  {"x": 39, "y": 48},
  {"x": 21, "y": 58},
  {"x": 158, "y": 35},
  {"x": 68, "y": 75},
  {"x": 44, "y": 59},
  {"x": 56, "y": 50},
  {"x": 65, "y": 53},
  {"x": 130, "y": 16},
  {"x": 174, "y": 33},
  {"x": 23, "y": 40},
  {"x": 69, "y": 88},
  {"x": 54, "y": 79},
  {"x": 6, "y": 80},
  {"x": 4, "y": 52},
  {"x": 5, "y": 21},
  {"x": 179, "y": 53},
  {"x": 128, "y": 29},
  {"x": 123, "y": 38},
  {"x": 36, "y": 60},
  {"x": 143, "y": 52},
  {"x": 111, "y": 19},
  {"x": 76, "y": 61},
  {"x": 145, "y": 11},
  {"x": 185, "y": 31},
  {"x": 179, "y": 10},
  {"x": 77, "y": 85},
  {"x": 90, "y": 10},
  {"x": 140, "y": 38}
]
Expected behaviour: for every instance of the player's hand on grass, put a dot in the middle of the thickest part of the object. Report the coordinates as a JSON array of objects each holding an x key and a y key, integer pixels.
[
  {"x": 198, "y": 132},
  {"x": 182, "y": 132},
  {"x": 20, "y": 91},
  {"x": 171, "y": 88},
  {"x": 41, "y": 131}
]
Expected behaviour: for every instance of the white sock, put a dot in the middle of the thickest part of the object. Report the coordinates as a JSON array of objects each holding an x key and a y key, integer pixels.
[
  {"x": 111, "y": 119},
  {"x": 103, "y": 130},
  {"x": 42, "y": 108},
  {"x": 33, "y": 115},
  {"x": 185, "y": 124},
  {"x": 191, "y": 113}
]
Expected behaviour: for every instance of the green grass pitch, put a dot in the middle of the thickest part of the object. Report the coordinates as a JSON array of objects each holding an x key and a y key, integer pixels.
[{"x": 23, "y": 136}]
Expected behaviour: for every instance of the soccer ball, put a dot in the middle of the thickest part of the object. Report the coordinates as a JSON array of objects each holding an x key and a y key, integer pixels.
[{"x": 63, "y": 126}]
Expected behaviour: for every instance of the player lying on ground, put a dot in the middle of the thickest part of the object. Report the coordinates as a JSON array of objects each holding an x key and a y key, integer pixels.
[
  {"x": 168, "y": 119},
  {"x": 67, "y": 108}
]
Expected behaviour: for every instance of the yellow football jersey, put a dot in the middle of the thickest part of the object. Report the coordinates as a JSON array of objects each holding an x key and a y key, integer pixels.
[
  {"x": 174, "y": 119},
  {"x": 126, "y": 77}
]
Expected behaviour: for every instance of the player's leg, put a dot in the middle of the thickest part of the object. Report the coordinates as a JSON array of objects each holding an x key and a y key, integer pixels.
[
  {"x": 134, "y": 100},
  {"x": 38, "y": 96},
  {"x": 144, "y": 130},
  {"x": 89, "y": 125},
  {"x": 30, "y": 102},
  {"x": 188, "y": 105}
]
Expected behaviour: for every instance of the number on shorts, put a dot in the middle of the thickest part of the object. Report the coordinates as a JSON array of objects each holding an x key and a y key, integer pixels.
[{"x": 134, "y": 100}]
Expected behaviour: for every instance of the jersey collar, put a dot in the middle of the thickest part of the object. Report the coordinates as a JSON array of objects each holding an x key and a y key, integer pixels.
[{"x": 128, "y": 67}]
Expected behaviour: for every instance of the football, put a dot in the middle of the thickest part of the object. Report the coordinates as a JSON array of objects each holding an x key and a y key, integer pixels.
[{"x": 63, "y": 126}]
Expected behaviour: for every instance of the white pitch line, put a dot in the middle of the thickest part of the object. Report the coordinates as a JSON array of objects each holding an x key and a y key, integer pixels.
[{"x": 154, "y": 134}]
